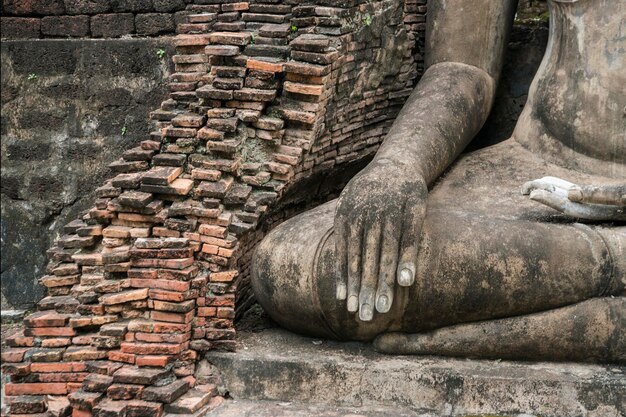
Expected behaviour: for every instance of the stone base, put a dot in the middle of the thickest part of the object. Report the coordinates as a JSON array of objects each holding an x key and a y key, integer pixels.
[
  {"x": 11, "y": 316},
  {"x": 277, "y": 365}
]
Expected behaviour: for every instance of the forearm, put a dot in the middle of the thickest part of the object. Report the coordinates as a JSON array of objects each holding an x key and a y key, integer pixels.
[{"x": 442, "y": 115}]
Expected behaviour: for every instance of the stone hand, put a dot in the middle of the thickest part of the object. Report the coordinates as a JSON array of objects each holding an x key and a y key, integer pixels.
[
  {"x": 586, "y": 202},
  {"x": 377, "y": 227}
]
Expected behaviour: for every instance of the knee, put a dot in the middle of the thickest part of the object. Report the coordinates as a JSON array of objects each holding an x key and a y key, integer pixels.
[{"x": 283, "y": 274}]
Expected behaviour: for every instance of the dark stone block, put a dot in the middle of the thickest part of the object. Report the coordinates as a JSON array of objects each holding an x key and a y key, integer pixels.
[
  {"x": 131, "y": 6},
  {"x": 87, "y": 6},
  {"x": 153, "y": 24},
  {"x": 19, "y": 27},
  {"x": 70, "y": 116},
  {"x": 65, "y": 26},
  {"x": 29, "y": 8},
  {"x": 25, "y": 151},
  {"x": 165, "y": 6},
  {"x": 112, "y": 25}
]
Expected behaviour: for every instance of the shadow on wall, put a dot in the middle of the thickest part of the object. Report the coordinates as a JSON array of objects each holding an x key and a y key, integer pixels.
[{"x": 69, "y": 108}]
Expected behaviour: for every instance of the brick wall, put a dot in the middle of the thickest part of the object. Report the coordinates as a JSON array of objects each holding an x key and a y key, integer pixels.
[
  {"x": 69, "y": 107},
  {"x": 28, "y": 19}
]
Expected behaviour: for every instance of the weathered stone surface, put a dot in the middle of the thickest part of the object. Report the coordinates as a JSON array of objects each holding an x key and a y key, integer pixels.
[
  {"x": 26, "y": 404},
  {"x": 97, "y": 383},
  {"x": 141, "y": 376},
  {"x": 300, "y": 369},
  {"x": 190, "y": 402},
  {"x": 167, "y": 393},
  {"x": 38, "y": 115}
]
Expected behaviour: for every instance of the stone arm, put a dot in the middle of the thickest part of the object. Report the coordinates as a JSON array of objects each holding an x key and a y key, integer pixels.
[
  {"x": 465, "y": 44},
  {"x": 380, "y": 212}
]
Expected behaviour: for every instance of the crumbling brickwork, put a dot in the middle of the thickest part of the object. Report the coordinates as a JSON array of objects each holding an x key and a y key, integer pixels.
[{"x": 266, "y": 95}]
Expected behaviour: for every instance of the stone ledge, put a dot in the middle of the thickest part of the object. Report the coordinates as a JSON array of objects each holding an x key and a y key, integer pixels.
[{"x": 280, "y": 366}]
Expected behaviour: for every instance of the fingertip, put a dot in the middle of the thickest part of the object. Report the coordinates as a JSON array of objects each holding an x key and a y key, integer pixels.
[
  {"x": 382, "y": 304},
  {"x": 406, "y": 274},
  {"x": 353, "y": 303},
  {"x": 366, "y": 312},
  {"x": 342, "y": 291}
]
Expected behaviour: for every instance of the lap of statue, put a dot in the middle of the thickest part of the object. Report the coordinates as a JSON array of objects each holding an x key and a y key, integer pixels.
[
  {"x": 472, "y": 267},
  {"x": 498, "y": 276}
]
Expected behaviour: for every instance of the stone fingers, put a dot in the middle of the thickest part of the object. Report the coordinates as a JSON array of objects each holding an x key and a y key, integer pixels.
[
  {"x": 592, "y": 212},
  {"x": 552, "y": 184},
  {"x": 369, "y": 272},
  {"x": 388, "y": 264},
  {"x": 608, "y": 194},
  {"x": 341, "y": 260},
  {"x": 411, "y": 229},
  {"x": 354, "y": 265}
]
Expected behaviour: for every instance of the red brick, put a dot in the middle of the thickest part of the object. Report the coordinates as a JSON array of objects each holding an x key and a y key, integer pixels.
[
  {"x": 62, "y": 377},
  {"x": 212, "y": 230},
  {"x": 163, "y": 263},
  {"x": 81, "y": 413},
  {"x": 79, "y": 353},
  {"x": 124, "y": 391},
  {"x": 155, "y": 361},
  {"x": 152, "y": 348},
  {"x": 168, "y": 295},
  {"x": 207, "y": 311},
  {"x": 119, "y": 356},
  {"x": 57, "y": 342},
  {"x": 13, "y": 355},
  {"x": 139, "y": 408},
  {"x": 84, "y": 400},
  {"x": 58, "y": 367},
  {"x": 171, "y": 328},
  {"x": 18, "y": 339},
  {"x": 162, "y": 337},
  {"x": 226, "y": 276},
  {"x": 260, "y": 65},
  {"x": 124, "y": 297},
  {"x": 225, "y": 312},
  {"x": 50, "y": 331},
  {"x": 16, "y": 369},
  {"x": 34, "y": 388},
  {"x": 172, "y": 317},
  {"x": 74, "y": 386},
  {"x": 306, "y": 89},
  {"x": 142, "y": 273},
  {"x": 46, "y": 319}
]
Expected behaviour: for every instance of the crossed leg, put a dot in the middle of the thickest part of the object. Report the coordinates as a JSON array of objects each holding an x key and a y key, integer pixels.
[{"x": 498, "y": 276}]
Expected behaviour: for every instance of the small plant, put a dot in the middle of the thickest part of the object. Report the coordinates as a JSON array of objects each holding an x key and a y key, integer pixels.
[
  {"x": 32, "y": 76},
  {"x": 124, "y": 130},
  {"x": 367, "y": 19},
  {"x": 160, "y": 53},
  {"x": 252, "y": 39},
  {"x": 293, "y": 28}
]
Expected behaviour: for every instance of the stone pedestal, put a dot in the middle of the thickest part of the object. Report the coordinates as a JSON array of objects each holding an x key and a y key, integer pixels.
[{"x": 280, "y": 366}]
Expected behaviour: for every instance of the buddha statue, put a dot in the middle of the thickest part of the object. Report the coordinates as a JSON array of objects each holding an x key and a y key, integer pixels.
[{"x": 514, "y": 251}]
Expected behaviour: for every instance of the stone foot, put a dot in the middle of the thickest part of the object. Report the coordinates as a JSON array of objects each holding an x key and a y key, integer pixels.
[{"x": 590, "y": 331}]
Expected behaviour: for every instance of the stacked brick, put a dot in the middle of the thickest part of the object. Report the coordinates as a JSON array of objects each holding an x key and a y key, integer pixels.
[{"x": 265, "y": 94}]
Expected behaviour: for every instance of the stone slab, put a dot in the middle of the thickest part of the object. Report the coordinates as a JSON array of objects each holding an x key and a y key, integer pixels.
[
  {"x": 246, "y": 408},
  {"x": 277, "y": 365}
]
